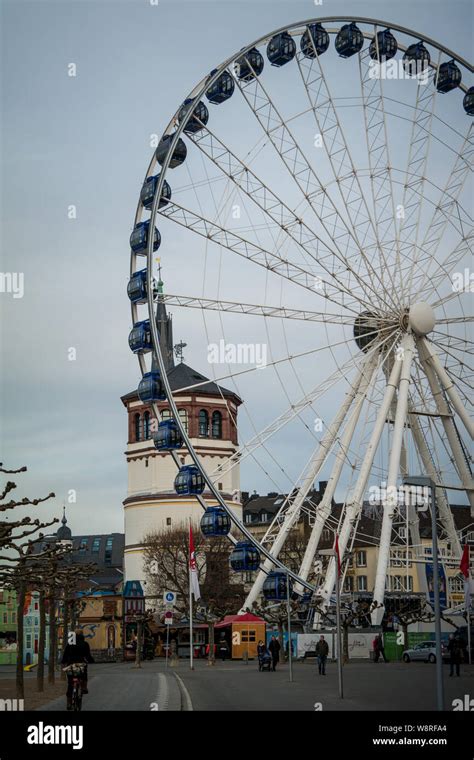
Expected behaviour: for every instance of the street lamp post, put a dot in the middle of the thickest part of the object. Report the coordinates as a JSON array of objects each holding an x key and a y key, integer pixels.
[
  {"x": 288, "y": 610},
  {"x": 426, "y": 482},
  {"x": 333, "y": 553}
]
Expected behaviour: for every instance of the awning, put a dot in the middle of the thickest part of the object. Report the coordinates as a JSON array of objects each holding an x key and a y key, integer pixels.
[{"x": 248, "y": 617}]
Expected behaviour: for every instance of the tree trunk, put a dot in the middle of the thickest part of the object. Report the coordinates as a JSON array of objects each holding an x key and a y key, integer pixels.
[
  {"x": 20, "y": 686},
  {"x": 139, "y": 645},
  {"x": 52, "y": 638},
  {"x": 211, "y": 660},
  {"x": 405, "y": 635},
  {"x": 345, "y": 644},
  {"x": 65, "y": 629},
  {"x": 42, "y": 639}
]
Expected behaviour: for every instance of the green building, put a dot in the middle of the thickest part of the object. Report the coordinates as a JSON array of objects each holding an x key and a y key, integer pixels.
[{"x": 8, "y": 627}]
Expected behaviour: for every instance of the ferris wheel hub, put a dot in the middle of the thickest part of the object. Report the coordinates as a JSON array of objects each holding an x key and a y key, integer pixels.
[{"x": 421, "y": 318}]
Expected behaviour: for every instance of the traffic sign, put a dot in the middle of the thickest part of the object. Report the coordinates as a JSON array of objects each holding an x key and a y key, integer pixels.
[
  {"x": 168, "y": 618},
  {"x": 169, "y": 597}
]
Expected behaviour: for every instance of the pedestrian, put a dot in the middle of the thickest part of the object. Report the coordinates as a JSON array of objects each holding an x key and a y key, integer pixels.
[
  {"x": 261, "y": 648},
  {"x": 223, "y": 647},
  {"x": 455, "y": 654},
  {"x": 322, "y": 651},
  {"x": 379, "y": 648},
  {"x": 274, "y": 647}
]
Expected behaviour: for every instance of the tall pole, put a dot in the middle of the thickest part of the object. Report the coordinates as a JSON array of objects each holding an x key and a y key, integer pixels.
[
  {"x": 468, "y": 611},
  {"x": 288, "y": 610},
  {"x": 190, "y": 623},
  {"x": 191, "y": 664},
  {"x": 437, "y": 606},
  {"x": 339, "y": 637},
  {"x": 167, "y": 642}
]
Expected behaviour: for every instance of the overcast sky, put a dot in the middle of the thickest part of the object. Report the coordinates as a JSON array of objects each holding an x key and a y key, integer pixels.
[{"x": 85, "y": 141}]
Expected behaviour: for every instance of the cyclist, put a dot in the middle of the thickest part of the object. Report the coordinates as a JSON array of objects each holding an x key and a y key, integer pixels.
[{"x": 77, "y": 653}]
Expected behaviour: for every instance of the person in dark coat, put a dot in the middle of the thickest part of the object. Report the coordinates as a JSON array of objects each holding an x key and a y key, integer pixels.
[
  {"x": 77, "y": 653},
  {"x": 274, "y": 648},
  {"x": 455, "y": 655},
  {"x": 223, "y": 647},
  {"x": 322, "y": 651},
  {"x": 379, "y": 648},
  {"x": 261, "y": 649}
]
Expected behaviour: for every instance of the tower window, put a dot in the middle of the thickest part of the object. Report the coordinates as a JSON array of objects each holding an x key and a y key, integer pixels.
[
  {"x": 183, "y": 416},
  {"x": 146, "y": 426},
  {"x": 216, "y": 425},
  {"x": 138, "y": 427},
  {"x": 203, "y": 424}
]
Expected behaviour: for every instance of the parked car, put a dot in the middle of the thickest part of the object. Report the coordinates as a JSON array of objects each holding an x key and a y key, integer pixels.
[{"x": 425, "y": 651}]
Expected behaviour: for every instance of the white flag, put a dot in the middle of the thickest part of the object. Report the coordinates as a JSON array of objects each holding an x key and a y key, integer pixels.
[{"x": 193, "y": 572}]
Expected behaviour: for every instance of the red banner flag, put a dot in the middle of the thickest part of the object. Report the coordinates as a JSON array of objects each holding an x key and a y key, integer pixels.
[
  {"x": 464, "y": 565},
  {"x": 336, "y": 547}
]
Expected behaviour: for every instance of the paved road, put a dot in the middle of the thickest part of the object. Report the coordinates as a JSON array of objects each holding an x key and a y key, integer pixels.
[
  {"x": 367, "y": 686},
  {"x": 121, "y": 686},
  {"x": 237, "y": 686}
]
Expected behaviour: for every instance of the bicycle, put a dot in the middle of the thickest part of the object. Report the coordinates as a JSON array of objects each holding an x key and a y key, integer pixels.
[{"x": 76, "y": 671}]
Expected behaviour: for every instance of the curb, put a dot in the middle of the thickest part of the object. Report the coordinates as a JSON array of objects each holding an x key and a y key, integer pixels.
[{"x": 186, "y": 702}]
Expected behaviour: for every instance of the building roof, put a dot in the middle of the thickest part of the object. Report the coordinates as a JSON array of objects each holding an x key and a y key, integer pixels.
[
  {"x": 182, "y": 376},
  {"x": 64, "y": 533},
  {"x": 248, "y": 617},
  {"x": 258, "y": 506}
]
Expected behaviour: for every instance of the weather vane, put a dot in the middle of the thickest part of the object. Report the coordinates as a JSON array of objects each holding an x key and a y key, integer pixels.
[{"x": 178, "y": 350}]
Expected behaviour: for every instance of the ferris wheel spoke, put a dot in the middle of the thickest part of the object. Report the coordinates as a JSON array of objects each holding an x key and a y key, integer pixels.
[
  {"x": 300, "y": 169},
  {"x": 445, "y": 209},
  {"x": 454, "y": 320},
  {"x": 444, "y": 270},
  {"x": 380, "y": 166},
  {"x": 234, "y": 307},
  {"x": 260, "y": 194},
  {"x": 453, "y": 342},
  {"x": 284, "y": 359},
  {"x": 416, "y": 168},
  {"x": 283, "y": 419},
  {"x": 333, "y": 138},
  {"x": 210, "y": 230}
]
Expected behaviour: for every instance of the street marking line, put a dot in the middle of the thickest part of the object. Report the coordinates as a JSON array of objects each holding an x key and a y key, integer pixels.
[
  {"x": 189, "y": 705},
  {"x": 162, "y": 693}
]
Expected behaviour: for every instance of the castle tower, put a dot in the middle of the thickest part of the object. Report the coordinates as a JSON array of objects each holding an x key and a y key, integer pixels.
[{"x": 209, "y": 413}]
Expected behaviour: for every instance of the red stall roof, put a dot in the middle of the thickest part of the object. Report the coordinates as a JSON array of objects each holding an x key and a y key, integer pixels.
[{"x": 247, "y": 618}]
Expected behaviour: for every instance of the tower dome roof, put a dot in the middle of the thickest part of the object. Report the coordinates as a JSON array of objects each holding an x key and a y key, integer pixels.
[{"x": 64, "y": 533}]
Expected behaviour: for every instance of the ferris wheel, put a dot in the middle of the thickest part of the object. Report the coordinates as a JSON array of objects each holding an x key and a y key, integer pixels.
[{"x": 314, "y": 189}]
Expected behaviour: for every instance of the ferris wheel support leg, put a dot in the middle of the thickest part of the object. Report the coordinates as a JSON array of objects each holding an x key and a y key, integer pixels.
[
  {"x": 449, "y": 428},
  {"x": 433, "y": 360},
  {"x": 324, "y": 508},
  {"x": 307, "y": 480},
  {"x": 444, "y": 511},
  {"x": 354, "y": 506},
  {"x": 408, "y": 346}
]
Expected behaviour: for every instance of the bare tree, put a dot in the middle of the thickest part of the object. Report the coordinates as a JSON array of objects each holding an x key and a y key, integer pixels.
[{"x": 167, "y": 568}]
